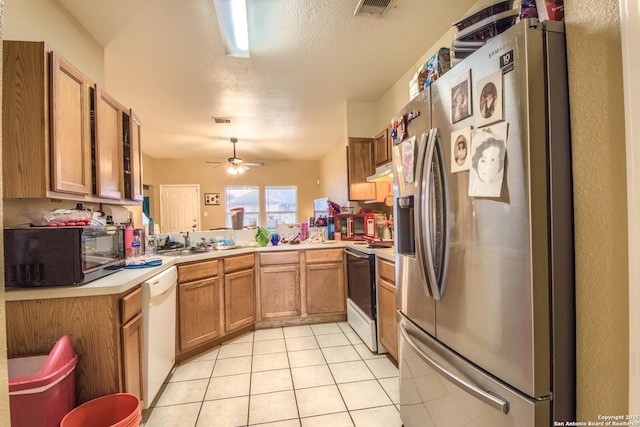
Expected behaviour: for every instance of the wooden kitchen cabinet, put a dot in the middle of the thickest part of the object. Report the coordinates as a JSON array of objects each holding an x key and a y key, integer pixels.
[
  {"x": 360, "y": 165},
  {"x": 132, "y": 157},
  {"x": 45, "y": 124},
  {"x": 382, "y": 147},
  {"x": 63, "y": 136},
  {"x": 279, "y": 285},
  {"x": 387, "y": 317},
  {"x": 198, "y": 304},
  {"x": 362, "y": 157},
  {"x": 325, "y": 281},
  {"x": 239, "y": 292},
  {"x": 108, "y": 145},
  {"x": 109, "y": 346},
  {"x": 301, "y": 287},
  {"x": 132, "y": 337}
]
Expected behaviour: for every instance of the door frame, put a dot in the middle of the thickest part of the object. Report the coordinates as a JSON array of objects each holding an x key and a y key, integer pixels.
[{"x": 630, "y": 33}]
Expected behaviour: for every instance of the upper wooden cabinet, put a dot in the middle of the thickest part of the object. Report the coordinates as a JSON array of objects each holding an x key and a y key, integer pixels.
[
  {"x": 70, "y": 135},
  {"x": 63, "y": 137},
  {"x": 45, "y": 124},
  {"x": 108, "y": 146},
  {"x": 382, "y": 147},
  {"x": 133, "y": 170},
  {"x": 363, "y": 155},
  {"x": 360, "y": 166}
]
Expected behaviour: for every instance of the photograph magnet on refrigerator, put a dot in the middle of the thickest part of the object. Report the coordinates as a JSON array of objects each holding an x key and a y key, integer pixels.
[
  {"x": 461, "y": 97},
  {"x": 489, "y": 102},
  {"x": 460, "y": 150}
]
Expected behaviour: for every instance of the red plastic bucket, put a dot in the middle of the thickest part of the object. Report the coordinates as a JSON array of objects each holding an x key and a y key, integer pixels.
[{"x": 113, "y": 410}]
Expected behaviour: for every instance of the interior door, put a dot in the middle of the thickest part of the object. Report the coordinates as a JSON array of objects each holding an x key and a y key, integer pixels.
[{"x": 179, "y": 207}]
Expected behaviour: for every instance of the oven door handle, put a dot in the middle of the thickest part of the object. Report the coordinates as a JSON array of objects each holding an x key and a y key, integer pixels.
[{"x": 356, "y": 254}]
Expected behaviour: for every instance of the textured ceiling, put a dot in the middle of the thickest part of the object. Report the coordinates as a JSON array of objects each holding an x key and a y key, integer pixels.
[{"x": 165, "y": 59}]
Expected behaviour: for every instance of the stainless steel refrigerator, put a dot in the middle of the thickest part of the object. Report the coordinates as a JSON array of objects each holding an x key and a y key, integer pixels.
[{"x": 486, "y": 274}]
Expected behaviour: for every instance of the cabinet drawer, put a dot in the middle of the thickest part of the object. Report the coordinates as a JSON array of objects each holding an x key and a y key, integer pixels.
[
  {"x": 387, "y": 270},
  {"x": 130, "y": 305},
  {"x": 197, "y": 270},
  {"x": 240, "y": 262},
  {"x": 324, "y": 255},
  {"x": 292, "y": 257}
]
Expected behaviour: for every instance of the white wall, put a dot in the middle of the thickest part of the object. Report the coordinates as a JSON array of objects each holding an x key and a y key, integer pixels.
[{"x": 49, "y": 21}]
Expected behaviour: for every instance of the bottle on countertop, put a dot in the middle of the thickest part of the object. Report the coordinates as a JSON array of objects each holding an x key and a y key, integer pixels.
[
  {"x": 128, "y": 240},
  {"x": 151, "y": 227},
  {"x": 136, "y": 245}
]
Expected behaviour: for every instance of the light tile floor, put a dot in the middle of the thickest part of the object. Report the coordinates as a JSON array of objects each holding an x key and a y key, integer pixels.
[{"x": 303, "y": 376}]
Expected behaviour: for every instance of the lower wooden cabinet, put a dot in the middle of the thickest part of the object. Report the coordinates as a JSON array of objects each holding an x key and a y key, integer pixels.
[
  {"x": 199, "y": 308},
  {"x": 132, "y": 338},
  {"x": 239, "y": 292},
  {"x": 215, "y": 297},
  {"x": 387, "y": 317},
  {"x": 279, "y": 284},
  {"x": 297, "y": 287},
  {"x": 198, "y": 304},
  {"x": 325, "y": 281},
  {"x": 106, "y": 332}
]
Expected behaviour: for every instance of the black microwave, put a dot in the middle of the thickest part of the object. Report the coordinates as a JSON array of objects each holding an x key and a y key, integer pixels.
[{"x": 60, "y": 256}]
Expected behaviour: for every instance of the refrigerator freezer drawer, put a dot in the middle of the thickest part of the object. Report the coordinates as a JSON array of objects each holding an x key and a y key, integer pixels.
[{"x": 439, "y": 388}]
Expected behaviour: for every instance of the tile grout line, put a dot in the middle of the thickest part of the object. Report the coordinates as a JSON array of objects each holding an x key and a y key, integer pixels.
[
  {"x": 204, "y": 396},
  {"x": 288, "y": 352},
  {"x": 293, "y": 386}
]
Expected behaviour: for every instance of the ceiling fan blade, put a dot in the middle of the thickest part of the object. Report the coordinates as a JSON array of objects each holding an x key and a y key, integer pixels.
[{"x": 236, "y": 162}]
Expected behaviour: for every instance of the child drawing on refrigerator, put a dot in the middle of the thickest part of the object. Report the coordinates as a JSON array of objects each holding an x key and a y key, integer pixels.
[{"x": 487, "y": 168}]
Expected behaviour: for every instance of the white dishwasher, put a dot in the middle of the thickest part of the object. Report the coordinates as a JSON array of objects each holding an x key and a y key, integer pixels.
[{"x": 159, "y": 308}]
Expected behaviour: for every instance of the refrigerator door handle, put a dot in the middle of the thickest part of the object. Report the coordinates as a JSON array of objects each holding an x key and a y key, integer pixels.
[
  {"x": 436, "y": 215},
  {"x": 492, "y": 400},
  {"x": 420, "y": 183}
]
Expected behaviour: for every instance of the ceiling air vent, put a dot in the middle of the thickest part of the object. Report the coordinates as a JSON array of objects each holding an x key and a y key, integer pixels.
[
  {"x": 372, "y": 7},
  {"x": 222, "y": 120}
]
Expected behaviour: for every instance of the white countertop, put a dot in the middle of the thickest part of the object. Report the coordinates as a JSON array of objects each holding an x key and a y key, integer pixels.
[{"x": 126, "y": 279}]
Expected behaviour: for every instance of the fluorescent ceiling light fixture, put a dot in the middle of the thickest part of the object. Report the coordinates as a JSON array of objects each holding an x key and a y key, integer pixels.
[{"x": 232, "y": 20}]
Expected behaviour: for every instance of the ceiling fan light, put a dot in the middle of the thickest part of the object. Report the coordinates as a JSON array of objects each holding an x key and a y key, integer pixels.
[{"x": 235, "y": 169}]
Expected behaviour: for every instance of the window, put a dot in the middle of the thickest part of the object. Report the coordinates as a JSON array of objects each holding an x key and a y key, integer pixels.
[
  {"x": 281, "y": 204},
  {"x": 247, "y": 197}
]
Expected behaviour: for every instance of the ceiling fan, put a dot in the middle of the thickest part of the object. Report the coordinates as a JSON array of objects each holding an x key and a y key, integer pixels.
[{"x": 235, "y": 165}]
